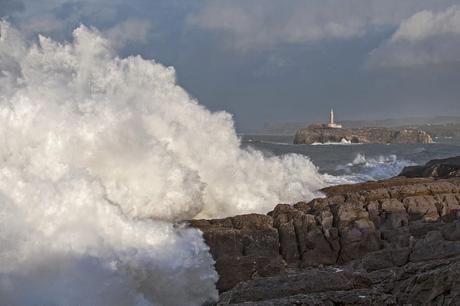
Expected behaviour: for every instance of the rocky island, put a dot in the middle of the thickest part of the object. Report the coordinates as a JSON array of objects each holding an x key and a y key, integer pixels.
[
  {"x": 333, "y": 133},
  {"x": 391, "y": 242},
  {"x": 323, "y": 134}
]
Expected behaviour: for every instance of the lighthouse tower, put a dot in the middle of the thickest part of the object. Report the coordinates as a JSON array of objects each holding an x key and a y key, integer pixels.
[{"x": 331, "y": 123}]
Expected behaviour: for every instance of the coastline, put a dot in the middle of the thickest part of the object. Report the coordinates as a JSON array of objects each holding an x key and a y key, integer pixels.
[{"x": 358, "y": 234}]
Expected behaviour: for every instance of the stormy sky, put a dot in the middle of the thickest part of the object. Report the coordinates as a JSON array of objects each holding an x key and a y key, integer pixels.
[{"x": 281, "y": 61}]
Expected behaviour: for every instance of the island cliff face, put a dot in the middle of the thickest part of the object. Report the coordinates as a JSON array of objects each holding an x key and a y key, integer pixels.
[
  {"x": 392, "y": 242},
  {"x": 322, "y": 134}
]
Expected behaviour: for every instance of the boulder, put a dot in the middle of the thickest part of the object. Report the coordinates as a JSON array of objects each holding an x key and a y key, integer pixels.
[{"x": 438, "y": 168}]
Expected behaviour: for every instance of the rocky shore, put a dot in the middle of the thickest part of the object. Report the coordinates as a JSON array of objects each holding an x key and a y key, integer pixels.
[
  {"x": 438, "y": 168},
  {"x": 391, "y": 242},
  {"x": 322, "y": 134}
]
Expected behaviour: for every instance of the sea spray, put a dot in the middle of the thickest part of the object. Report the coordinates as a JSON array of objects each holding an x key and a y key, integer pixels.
[
  {"x": 378, "y": 167},
  {"x": 364, "y": 168},
  {"x": 99, "y": 156}
]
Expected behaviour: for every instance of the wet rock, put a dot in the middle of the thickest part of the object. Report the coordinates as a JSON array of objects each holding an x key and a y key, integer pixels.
[
  {"x": 425, "y": 283},
  {"x": 438, "y": 168}
]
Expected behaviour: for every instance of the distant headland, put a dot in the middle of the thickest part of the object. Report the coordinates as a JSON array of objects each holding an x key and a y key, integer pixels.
[{"x": 334, "y": 132}]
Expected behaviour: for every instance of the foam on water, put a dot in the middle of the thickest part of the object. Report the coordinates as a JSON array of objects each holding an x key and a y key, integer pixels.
[
  {"x": 343, "y": 141},
  {"x": 99, "y": 156},
  {"x": 363, "y": 169}
]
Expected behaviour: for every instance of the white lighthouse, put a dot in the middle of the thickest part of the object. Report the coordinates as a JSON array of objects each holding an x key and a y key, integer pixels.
[{"x": 331, "y": 123}]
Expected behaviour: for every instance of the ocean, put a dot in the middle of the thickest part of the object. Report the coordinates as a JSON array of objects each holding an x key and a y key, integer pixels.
[{"x": 353, "y": 163}]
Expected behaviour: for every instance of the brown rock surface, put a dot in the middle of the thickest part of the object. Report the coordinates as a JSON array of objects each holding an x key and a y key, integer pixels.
[
  {"x": 385, "y": 236},
  {"x": 244, "y": 247}
]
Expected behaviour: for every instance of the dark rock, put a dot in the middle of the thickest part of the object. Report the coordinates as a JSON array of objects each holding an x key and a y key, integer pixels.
[
  {"x": 310, "y": 281},
  {"x": 438, "y": 168},
  {"x": 386, "y": 258},
  {"x": 425, "y": 283},
  {"x": 233, "y": 270},
  {"x": 433, "y": 246},
  {"x": 243, "y": 247}
]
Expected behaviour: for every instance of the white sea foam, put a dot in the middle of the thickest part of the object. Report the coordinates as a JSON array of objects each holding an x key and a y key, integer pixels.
[
  {"x": 99, "y": 156},
  {"x": 364, "y": 168},
  {"x": 342, "y": 142}
]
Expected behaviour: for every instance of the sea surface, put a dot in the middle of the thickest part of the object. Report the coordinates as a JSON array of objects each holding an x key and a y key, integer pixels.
[{"x": 350, "y": 163}]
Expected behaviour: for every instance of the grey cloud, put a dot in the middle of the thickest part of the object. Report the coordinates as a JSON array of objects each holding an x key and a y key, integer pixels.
[
  {"x": 129, "y": 31},
  {"x": 10, "y": 6},
  {"x": 424, "y": 38},
  {"x": 427, "y": 24},
  {"x": 259, "y": 23},
  {"x": 58, "y": 18},
  {"x": 44, "y": 24},
  {"x": 301, "y": 56},
  {"x": 54, "y": 18}
]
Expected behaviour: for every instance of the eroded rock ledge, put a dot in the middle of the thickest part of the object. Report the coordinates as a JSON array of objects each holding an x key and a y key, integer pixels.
[{"x": 390, "y": 242}]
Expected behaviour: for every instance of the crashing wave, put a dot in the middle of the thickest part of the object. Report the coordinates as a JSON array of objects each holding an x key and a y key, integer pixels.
[{"x": 99, "y": 156}]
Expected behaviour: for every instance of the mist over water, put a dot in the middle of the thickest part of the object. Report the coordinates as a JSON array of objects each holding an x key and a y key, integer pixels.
[{"x": 99, "y": 157}]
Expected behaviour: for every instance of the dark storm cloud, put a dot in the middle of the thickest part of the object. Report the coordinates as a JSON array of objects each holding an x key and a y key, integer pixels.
[
  {"x": 270, "y": 60},
  {"x": 332, "y": 44},
  {"x": 8, "y": 7}
]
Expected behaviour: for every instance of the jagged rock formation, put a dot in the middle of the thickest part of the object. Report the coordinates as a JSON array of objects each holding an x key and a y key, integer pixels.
[
  {"x": 433, "y": 282},
  {"x": 391, "y": 242},
  {"x": 321, "y": 134},
  {"x": 438, "y": 168}
]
